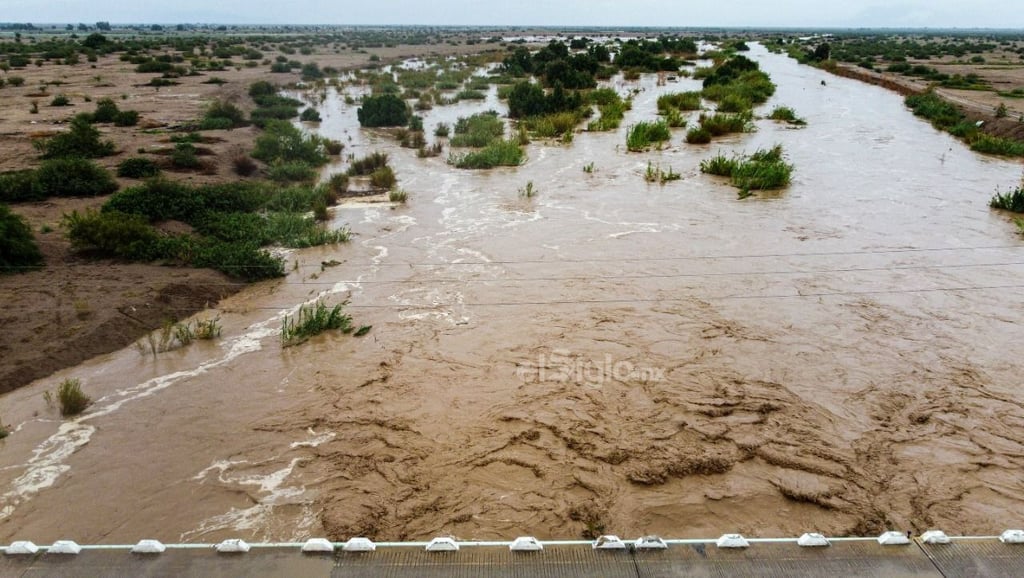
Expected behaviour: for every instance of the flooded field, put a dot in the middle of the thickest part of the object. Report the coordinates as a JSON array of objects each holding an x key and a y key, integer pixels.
[{"x": 606, "y": 355}]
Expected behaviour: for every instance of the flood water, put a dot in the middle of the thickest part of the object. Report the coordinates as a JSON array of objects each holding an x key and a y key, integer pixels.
[{"x": 838, "y": 356}]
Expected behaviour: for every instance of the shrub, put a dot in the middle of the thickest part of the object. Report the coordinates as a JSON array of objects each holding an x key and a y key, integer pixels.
[
  {"x": 310, "y": 115},
  {"x": 698, "y": 135},
  {"x": 291, "y": 171},
  {"x": 383, "y": 110},
  {"x": 106, "y": 111},
  {"x": 19, "y": 186},
  {"x": 1012, "y": 200},
  {"x": 112, "y": 234},
  {"x": 640, "y": 136},
  {"x": 18, "y": 249},
  {"x": 478, "y": 130},
  {"x": 244, "y": 165},
  {"x": 313, "y": 320},
  {"x": 498, "y": 153},
  {"x": 442, "y": 130},
  {"x": 60, "y": 100},
  {"x": 82, "y": 140},
  {"x": 281, "y": 141},
  {"x": 71, "y": 398},
  {"x": 137, "y": 168},
  {"x": 221, "y": 114},
  {"x": 720, "y": 124},
  {"x": 184, "y": 156},
  {"x": 383, "y": 178},
  {"x": 126, "y": 118},
  {"x": 785, "y": 114},
  {"x": 679, "y": 101},
  {"x": 719, "y": 165},
  {"x": 765, "y": 169},
  {"x": 368, "y": 164},
  {"x": 398, "y": 196},
  {"x": 73, "y": 177},
  {"x": 338, "y": 183}
]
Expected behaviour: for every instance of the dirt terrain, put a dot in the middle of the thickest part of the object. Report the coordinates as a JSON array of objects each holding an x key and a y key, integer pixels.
[{"x": 76, "y": 307}]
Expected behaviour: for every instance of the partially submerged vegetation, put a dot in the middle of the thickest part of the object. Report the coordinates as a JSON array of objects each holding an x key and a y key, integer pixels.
[
  {"x": 763, "y": 170},
  {"x": 642, "y": 135},
  {"x": 946, "y": 116},
  {"x": 312, "y": 320}
]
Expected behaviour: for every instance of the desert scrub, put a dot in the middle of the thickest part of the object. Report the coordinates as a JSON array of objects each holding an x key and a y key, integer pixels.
[
  {"x": 18, "y": 249},
  {"x": 368, "y": 164},
  {"x": 71, "y": 398},
  {"x": 310, "y": 115},
  {"x": 291, "y": 171},
  {"x": 137, "y": 168},
  {"x": 280, "y": 141},
  {"x": 1012, "y": 200},
  {"x": 82, "y": 140},
  {"x": 499, "y": 153},
  {"x": 312, "y": 320},
  {"x": 642, "y": 135}
]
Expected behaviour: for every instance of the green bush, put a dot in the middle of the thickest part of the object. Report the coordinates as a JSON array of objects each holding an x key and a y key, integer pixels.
[
  {"x": 18, "y": 249},
  {"x": 82, "y": 140},
  {"x": 60, "y": 100},
  {"x": 291, "y": 171},
  {"x": 498, "y": 153},
  {"x": 221, "y": 115},
  {"x": 478, "y": 130},
  {"x": 184, "y": 156},
  {"x": 640, "y": 136},
  {"x": 73, "y": 177},
  {"x": 310, "y": 115},
  {"x": 994, "y": 145},
  {"x": 112, "y": 234},
  {"x": 106, "y": 111},
  {"x": 19, "y": 186},
  {"x": 679, "y": 101},
  {"x": 1012, "y": 200},
  {"x": 698, "y": 135},
  {"x": 283, "y": 142},
  {"x": 383, "y": 110},
  {"x": 368, "y": 164},
  {"x": 720, "y": 124},
  {"x": 71, "y": 398},
  {"x": 383, "y": 178},
  {"x": 126, "y": 118},
  {"x": 137, "y": 168}
]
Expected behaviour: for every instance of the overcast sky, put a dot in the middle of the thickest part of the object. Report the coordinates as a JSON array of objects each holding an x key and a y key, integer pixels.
[{"x": 803, "y": 13}]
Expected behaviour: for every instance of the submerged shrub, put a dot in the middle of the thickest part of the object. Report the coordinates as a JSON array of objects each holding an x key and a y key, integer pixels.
[
  {"x": 498, "y": 153},
  {"x": 383, "y": 110},
  {"x": 71, "y": 398},
  {"x": 641, "y": 135},
  {"x": 313, "y": 320},
  {"x": 1012, "y": 200}
]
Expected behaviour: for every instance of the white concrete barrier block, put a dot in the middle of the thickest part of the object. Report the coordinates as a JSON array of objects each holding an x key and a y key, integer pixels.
[
  {"x": 650, "y": 543},
  {"x": 442, "y": 544},
  {"x": 525, "y": 544},
  {"x": 232, "y": 545},
  {"x": 935, "y": 537},
  {"x": 892, "y": 538},
  {"x": 1012, "y": 537},
  {"x": 64, "y": 547},
  {"x": 732, "y": 541},
  {"x": 812, "y": 539},
  {"x": 318, "y": 545},
  {"x": 21, "y": 547},
  {"x": 359, "y": 544},
  {"x": 148, "y": 547},
  {"x": 609, "y": 542}
]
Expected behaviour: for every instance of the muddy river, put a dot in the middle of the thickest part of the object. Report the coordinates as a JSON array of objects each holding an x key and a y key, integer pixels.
[{"x": 607, "y": 355}]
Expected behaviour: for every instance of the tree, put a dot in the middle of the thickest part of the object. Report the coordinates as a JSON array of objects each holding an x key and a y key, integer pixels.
[
  {"x": 101, "y": 25},
  {"x": 95, "y": 41},
  {"x": 18, "y": 250},
  {"x": 83, "y": 140},
  {"x": 383, "y": 110},
  {"x": 822, "y": 52},
  {"x": 526, "y": 99}
]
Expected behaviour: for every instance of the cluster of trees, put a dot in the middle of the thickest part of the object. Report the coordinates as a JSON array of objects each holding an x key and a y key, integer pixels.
[{"x": 528, "y": 99}]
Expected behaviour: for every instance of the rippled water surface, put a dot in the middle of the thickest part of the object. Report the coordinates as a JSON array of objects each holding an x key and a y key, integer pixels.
[{"x": 837, "y": 356}]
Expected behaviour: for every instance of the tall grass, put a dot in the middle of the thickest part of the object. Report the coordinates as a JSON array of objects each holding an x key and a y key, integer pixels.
[
  {"x": 553, "y": 125},
  {"x": 642, "y": 135},
  {"x": 498, "y": 153},
  {"x": 679, "y": 101},
  {"x": 720, "y": 124},
  {"x": 368, "y": 164},
  {"x": 313, "y": 320},
  {"x": 478, "y": 130},
  {"x": 763, "y": 170},
  {"x": 655, "y": 174},
  {"x": 72, "y": 399},
  {"x": 786, "y": 114},
  {"x": 1012, "y": 200}
]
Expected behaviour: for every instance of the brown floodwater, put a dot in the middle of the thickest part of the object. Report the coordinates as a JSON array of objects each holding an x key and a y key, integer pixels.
[{"x": 837, "y": 356}]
